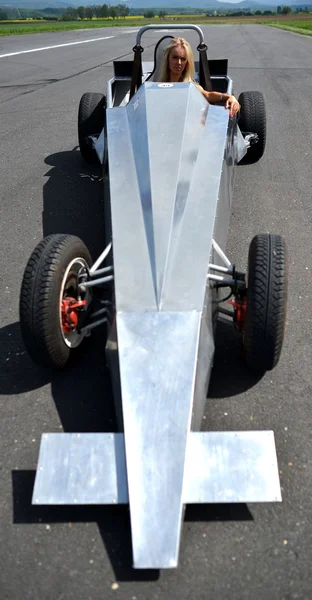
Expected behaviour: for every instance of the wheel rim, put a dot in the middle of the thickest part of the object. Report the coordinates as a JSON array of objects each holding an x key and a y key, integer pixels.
[{"x": 69, "y": 289}]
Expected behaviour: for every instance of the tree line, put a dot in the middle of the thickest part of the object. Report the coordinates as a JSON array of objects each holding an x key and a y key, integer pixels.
[{"x": 105, "y": 11}]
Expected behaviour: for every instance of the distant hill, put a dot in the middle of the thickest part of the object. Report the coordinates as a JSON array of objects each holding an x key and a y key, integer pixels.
[
  {"x": 38, "y": 4},
  {"x": 204, "y": 4},
  {"x": 207, "y": 4},
  {"x": 156, "y": 4}
]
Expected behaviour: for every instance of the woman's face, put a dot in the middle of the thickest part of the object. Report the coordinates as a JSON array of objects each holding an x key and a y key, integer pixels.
[{"x": 177, "y": 60}]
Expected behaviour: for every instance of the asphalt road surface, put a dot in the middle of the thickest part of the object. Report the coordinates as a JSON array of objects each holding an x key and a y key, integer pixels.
[{"x": 237, "y": 552}]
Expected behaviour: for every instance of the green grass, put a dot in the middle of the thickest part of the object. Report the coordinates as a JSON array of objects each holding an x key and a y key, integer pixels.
[
  {"x": 298, "y": 26},
  {"x": 22, "y": 28},
  {"x": 303, "y": 27},
  {"x": 19, "y": 29}
]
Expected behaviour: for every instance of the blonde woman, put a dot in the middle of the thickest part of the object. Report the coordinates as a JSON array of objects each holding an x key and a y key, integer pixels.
[{"x": 178, "y": 66}]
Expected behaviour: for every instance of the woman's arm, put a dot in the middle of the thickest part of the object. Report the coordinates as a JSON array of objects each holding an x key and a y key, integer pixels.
[{"x": 214, "y": 97}]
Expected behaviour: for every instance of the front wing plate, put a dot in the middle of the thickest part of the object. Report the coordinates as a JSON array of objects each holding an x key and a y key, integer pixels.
[{"x": 90, "y": 468}]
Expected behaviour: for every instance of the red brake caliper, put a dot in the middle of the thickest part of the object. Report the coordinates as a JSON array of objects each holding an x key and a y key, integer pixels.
[
  {"x": 240, "y": 307},
  {"x": 69, "y": 311}
]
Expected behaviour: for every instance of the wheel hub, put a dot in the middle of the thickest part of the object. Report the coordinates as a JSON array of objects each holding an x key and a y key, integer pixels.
[
  {"x": 70, "y": 313},
  {"x": 240, "y": 307},
  {"x": 71, "y": 303}
]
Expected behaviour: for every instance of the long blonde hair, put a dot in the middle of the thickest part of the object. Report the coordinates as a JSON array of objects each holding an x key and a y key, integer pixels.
[{"x": 189, "y": 71}]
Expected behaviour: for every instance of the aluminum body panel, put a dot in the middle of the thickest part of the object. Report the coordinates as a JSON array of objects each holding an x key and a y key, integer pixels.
[
  {"x": 231, "y": 466},
  {"x": 100, "y": 146},
  {"x": 158, "y": 356},
  {"x": 227, "y": 467},
  {"x": 165, "y": 174},
  {"x": 112, "y": 359},
  {"x": 235, "y": 149},
  {"x": 86, "y": 468},
  {"x": 204, "y": 362},
  {"x": 232, "y": 153},
  {"x": 168, "y": 158}
]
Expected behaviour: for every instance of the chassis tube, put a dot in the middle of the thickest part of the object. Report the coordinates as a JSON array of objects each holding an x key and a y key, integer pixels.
[
  {"x": 93, "y": 282},
  {"x": 101, "y": 258}
]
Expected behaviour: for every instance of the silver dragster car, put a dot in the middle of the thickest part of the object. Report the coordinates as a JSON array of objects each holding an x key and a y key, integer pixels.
[{"x": 159, "y": 286}]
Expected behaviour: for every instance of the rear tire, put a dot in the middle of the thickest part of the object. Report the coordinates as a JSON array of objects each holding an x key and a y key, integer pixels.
[
  {"x": 252, "y": 119},
  {"x": 91, "y": 120},
  {"x": 40, "y": 298},
  {"x": 266, "y": 302}
]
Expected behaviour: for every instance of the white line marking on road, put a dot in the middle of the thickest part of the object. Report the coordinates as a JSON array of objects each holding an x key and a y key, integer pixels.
[{"x": 58, "y": 46}]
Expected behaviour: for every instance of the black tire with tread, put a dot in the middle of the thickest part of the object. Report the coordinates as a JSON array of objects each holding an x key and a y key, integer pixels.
[
  {"x": 91, "y": 120},
  {"x": 266, "y": 302},
  {"x": 252, "y": 118},
  {"x": 40, "y": 294}
]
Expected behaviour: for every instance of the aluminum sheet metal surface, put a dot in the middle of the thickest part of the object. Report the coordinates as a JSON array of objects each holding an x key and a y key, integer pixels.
[
  {"x": 166, "y": 150},
  {"x": 236, "y": 466},
  {"x": 158, "y": 357},
  {"x": 81, "y": 468},
  {"x": 231, "y": 466}
]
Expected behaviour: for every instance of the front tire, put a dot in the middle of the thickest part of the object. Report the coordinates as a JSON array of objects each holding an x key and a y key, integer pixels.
[
  {"x": 91, "y": 120},
  {"x": 266, "y": 302},
  {"x": 252, "y": 119},
  {"x": 50, "y": 274}
]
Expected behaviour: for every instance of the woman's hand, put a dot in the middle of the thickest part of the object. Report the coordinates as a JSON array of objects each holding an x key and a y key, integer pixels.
[
  {"x": 233, "y": 105},
  {"x": 215, "y": 97}
]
